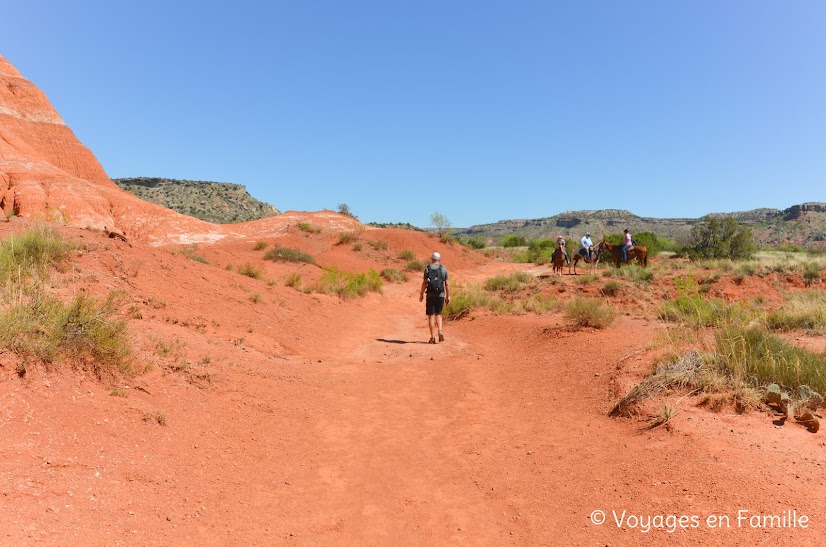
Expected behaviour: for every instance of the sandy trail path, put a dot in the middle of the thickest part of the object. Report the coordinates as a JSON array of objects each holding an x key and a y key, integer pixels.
[{"x": 499, "y": 436}]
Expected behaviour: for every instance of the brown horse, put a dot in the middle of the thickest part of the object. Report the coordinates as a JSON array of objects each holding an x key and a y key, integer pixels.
[
  {"x": 638, "y": 253},
  {"x": 558, "y": 260},
  {"x": 581, "y": 255}
]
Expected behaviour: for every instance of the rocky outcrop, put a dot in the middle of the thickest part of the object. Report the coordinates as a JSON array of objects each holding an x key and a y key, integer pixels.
[{"x": 220, "y": 202}]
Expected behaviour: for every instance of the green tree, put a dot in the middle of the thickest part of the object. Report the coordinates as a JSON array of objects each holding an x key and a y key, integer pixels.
[
  {"x": 721, "y": 238},
  {"x": 441, "y": 223},
  {"x": 513, "y": 240},
  {"x": 344, "y": 209}
]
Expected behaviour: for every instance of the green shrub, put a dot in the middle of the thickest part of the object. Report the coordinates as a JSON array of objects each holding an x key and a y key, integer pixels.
[
  {"x": 357, "y": 246},
  {"x": 587, "y": 278},
  {"x": 407, "y": 255},
  {"x": 394, "y": 276},
  {"x": 348, "y": 237},
  {"x": 721, "y": 238},
  {"x": 509, "y": 283},
  {"x": 415, "y": 266},
  {"x": 378, "y": 245},
  {"x": 250, "y": 270},
  {"x": 513, "y": 240},
  {"x": 632, "y": 272},
  {"x": 589, "y": 312},
  {"x": 538, "y": 303},
  {"x": 309, "y": 228},
  {"x": 474, "y": 242},
  {"x": 466, "y": 299},
  {"x": 539, "y": 252},
  {"x": 611, "y": 288},
  {"x": 286, "y": 254},
  {"x": 260, "y": 245},
  {"x": 758, "y": 356},
  {"x": 191, "y": 252},
  {"x": 255, "y": 297},
  {"x": 347, "y": 284},
  {"x": 38, "y": 327},
  {"x": 31, "y": 253},
  {"x": 293, "y": 280}
]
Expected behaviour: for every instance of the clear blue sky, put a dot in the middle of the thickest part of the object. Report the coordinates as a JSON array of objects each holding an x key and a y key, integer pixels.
[{"x": 480, "y": 110}]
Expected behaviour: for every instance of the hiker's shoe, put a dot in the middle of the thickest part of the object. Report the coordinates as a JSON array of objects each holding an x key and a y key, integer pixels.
[
  {"x": 441, "y": 337},
  {"x": 432, "y": 341}
]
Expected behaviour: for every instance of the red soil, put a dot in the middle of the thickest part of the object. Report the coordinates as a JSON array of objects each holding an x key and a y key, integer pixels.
[{"x": 310, "y": 420}]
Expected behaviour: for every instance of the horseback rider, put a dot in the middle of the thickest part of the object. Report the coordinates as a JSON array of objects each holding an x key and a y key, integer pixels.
[
  {"x": 587, "y": 244},
  {"x": 560, "y": 246},
  {"x": 627, "y": 245}
]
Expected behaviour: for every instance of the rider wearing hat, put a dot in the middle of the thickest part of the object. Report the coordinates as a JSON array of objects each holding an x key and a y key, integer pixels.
[{"x": 587, "y": 244}]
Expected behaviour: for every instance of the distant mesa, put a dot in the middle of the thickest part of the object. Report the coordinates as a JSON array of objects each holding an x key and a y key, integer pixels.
[{"x": 218, "y": 202}]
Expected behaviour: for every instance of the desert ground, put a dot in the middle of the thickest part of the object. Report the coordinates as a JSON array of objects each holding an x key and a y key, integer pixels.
[{"x": 264, "y": 415}]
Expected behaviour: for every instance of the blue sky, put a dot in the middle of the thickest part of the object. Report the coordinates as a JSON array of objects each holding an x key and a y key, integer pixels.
[{"x": 480, "y": 110}]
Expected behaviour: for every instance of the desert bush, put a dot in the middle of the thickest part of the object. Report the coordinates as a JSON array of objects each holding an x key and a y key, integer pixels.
[
  {"x": 309, "y": 228},
  {"x": 539, "y": 252},
  {"x": 587, "y": 278},
  {"x": 357, "y": 246},
  {"x": 611, "y": 288},
  {"x": 509, "y": 283},
  {"x": 155, "y": 417},
  {"x": 416, "y": 266},
  {"x": 348, "y": 284},
  {"x": 260, "y": 246},
  {"x": 393, "y": 276},
  {"x": 758, "y": 356},
  {"x": 474, "y": 242},
  {"x": 513, "y": 240},
  {"x": 467, "y": 298},
  {"x": 407, "y": 254},
  {"x": 250, "y": 270},
  {"x": 31, "y": 253},
  {"x": 811, "y": 273},
  {"x": 255, "y": 297},
  {"x": 378, "y": 244},
  {"x": 805, "y": 310},
  {"x": 538, "y": 303},
  {"x": 589, "y": 312},
  {"x": 286, "y": 254},
  {"x": 293, "y": 280},
  {"x": 348, "y": 237},
  {"x": 191, "y": 252},
  {"x": 39, "y": 327}
]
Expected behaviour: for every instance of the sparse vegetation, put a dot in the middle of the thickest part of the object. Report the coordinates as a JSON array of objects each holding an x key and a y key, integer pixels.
[
  {"x": 31, "y": 253},
  {"x": 611, "y": 288},
  {"x": 589, "y": 312},
  {"x": 474, "y": 242},
  {"x": 286, "y": 254},
  {"x": 378, "y": 244},
  {"x": 250, "y": 270},
  {"x": 38, "y": 327},
  {"x": 804, "y": 310},
  {"x": 155, "y": 417},
  {"x": 293, "y": 280},
  {"x": 348, "y": 284},
  {"x": 191, "y": 252},
  {"x": 441, "y": 223},
  {"x": 513, "y": 240},
  {"x": 309, "y": 228},
  {"x": 416, "y": 266},
  {"x": 407, "y": 254},
  {"x": 255, "y": 297},
  {"x": 509, "y": 283},
  {"x": 260, "y": 245},
  {"x": 753, "y": 354},
  {"x": 394, "y": 276}
]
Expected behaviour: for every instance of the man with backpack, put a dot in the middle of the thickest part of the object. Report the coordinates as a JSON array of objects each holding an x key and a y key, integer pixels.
[{"x": 438, "y": 294}]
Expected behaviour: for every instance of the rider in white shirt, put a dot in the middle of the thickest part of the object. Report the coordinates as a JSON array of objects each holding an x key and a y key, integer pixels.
[{"x": 587, "y": 244}]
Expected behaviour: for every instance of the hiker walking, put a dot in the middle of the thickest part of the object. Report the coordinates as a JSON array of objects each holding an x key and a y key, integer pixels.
[{"x": 438, "y": 294}]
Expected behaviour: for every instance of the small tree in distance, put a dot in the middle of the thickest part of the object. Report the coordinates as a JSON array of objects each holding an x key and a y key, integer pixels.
[
  {"x": 441, "y": 222},
  {"x": 344, "y": 209}
]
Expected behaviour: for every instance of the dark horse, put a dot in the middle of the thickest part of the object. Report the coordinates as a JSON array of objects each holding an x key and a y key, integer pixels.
[{"x": 638, "y": 253}]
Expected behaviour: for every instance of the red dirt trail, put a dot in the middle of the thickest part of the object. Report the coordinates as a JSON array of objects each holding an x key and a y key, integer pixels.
[{"x": 309, "y": 420}]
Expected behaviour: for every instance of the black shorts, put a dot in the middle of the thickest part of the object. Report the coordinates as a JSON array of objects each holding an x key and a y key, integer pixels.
[{"x": 434, "y": 305}]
